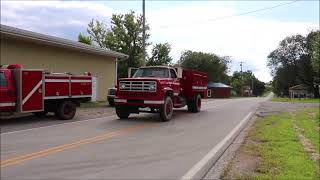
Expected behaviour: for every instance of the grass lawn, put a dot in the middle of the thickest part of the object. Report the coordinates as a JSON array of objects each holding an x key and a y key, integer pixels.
[
  {"x": 296, "y": 100},
  {"x": 280, "y": 153},
  {"x": 309, "y": 121}
]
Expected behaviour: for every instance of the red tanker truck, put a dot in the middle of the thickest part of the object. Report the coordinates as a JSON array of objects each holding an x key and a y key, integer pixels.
[
  {"x": 159, "y": 89},
  {"x": 37, "y": 92}
]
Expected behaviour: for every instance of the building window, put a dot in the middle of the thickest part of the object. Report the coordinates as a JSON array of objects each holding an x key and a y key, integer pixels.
[{"x": 209, "y": 93}]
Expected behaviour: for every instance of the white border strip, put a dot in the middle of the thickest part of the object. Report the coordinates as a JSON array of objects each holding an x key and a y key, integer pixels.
[
  {"x": 7, "y": 104},
  {"x": 120, "y": 100},
  {"x": 199, "y": 87},
  {"x": 80, "y": 81},
  {"x": 203, "y": 166},
  {"x": 57, "y": 80},
  {"x": 56, "y": 97},
  {"x": 32, "y": 92},
  {"x": 80, "y": 96},
  {"x": 153, "y": 102}
]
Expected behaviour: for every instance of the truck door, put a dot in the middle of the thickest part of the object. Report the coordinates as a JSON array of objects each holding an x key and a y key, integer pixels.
[
  {"x": 175, "y": 83},
  {"x": 7, "y": 92},
  {"x": 31, "y": 97}
]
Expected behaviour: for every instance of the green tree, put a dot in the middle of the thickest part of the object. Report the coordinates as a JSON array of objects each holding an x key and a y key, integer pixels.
[
  {"x": 84, "y": 39},
  {"x": 247, "y": 78},
  {"x": 313, "y": 46},
  {"x": 216, "y": 67},
  {"x": 291, "y": 64},
  {"x": 124, "y": 35},
  {"x": 160, "y": 55}
]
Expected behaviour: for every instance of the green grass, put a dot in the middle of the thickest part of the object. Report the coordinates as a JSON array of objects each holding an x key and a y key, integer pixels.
[
  {"x": 309, "y": 121},
  {"x": 94, "y": 104},
  {"x": 282, "y": 155},
  {"x": 296, "y": 100}
]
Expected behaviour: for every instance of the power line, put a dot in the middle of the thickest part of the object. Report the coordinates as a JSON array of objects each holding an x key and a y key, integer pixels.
[
  {"x": 241, "y": 14},
  {"x": 254, "y": 11}
]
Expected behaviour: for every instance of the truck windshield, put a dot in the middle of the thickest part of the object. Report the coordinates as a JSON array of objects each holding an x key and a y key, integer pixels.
[
  {"x": 152, "y": 72},
  {"x": 3, "y": 81}
]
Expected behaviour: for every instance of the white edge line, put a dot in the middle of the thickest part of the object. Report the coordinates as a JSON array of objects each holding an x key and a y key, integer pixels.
[
  {"x": 199, "y": 167},
  {"x": 73, "y": 122}
]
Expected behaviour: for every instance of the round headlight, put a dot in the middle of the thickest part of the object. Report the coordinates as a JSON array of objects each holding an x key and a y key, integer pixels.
[{"x": 152, "y": 87}]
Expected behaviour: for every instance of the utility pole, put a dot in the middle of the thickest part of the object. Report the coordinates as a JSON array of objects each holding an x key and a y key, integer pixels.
[
  {"x": 251, "y": 85},
  {"x": 241, "y": 84},
  {"x": 144, "y": 32}
]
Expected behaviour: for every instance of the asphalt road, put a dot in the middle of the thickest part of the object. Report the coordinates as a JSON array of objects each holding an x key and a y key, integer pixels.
[{"x": 140, "y": 147}]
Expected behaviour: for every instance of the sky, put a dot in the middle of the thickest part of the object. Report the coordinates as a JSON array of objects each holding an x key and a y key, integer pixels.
[{"x": 220, "y": 27}]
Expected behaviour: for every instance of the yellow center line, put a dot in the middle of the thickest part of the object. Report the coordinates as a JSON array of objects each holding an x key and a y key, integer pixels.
[{"x": 105, "y": 136}]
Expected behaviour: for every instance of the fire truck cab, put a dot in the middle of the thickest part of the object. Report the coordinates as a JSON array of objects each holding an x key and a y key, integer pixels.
[{"x": 160, "y": 89}]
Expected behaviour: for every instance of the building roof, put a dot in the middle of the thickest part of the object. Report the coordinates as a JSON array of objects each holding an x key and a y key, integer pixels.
[
  {"x": 217, "y": 85},
  {"x": 298, "y": 87},
  {"x": 16, "y": 33}
]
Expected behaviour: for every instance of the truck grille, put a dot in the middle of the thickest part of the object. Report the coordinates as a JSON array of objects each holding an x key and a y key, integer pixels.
[{"x": 140, "y": 86}]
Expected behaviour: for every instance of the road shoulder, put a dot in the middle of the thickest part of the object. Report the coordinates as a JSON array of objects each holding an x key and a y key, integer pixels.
[{"x": 228, "y": 161}]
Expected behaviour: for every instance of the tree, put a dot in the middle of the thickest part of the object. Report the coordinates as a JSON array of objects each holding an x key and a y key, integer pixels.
[
  {"x": 84, "y": 39},
  {"x": 247, "y": 78},
  {"x": 160, "y": 55},
  {"x": 313, "y": 46},
  {"x": 291, "y": 64},
  {"x": 216, "y": 67},
  {"x": 124, "y": 35}
]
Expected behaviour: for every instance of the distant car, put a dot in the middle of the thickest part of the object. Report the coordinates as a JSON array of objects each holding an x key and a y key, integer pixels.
[{"x": 111, "y": 95}]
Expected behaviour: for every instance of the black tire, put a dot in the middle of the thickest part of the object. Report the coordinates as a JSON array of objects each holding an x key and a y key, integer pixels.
[
  {"x": 166, "y": 110},
  {"x": 66, "y": 110},
  {"x": 40, "y": 114},
  {"x": 122, "y": 112},
  {"x": 195, "y": 105},
  {"x": 111, "y": 102}
]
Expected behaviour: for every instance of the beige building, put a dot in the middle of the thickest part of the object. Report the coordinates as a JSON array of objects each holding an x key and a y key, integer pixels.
[{"x": 53, "y": 54}]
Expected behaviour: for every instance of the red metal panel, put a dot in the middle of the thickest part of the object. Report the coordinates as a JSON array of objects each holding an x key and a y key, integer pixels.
[
  {"x": 57, "y": 86},
  {"x": 32, "y": 87},
  {"x": 81, "y": 85}
]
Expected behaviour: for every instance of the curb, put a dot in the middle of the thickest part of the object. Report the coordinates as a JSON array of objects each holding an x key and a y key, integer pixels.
[{"x": 199, "y": 170}]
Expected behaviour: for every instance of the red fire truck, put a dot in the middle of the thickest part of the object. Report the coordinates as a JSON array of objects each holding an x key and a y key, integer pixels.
[
  {"x": 160, "y": 89},
  {"x": 38, "y": 92}
]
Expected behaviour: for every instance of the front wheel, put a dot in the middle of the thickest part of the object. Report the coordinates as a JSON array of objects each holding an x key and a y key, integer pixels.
[
  {"x": 195, "y": 104},
  {"x": 122, "y": 112},
  {"x": 66, "y": 110},
  {"x": 166, "y": 109}
]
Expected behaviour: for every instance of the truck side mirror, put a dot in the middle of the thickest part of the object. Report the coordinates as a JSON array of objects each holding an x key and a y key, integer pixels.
[{"x": 179, "y": 72}]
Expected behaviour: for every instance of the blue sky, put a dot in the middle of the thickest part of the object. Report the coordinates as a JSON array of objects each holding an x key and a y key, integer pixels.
[{"x": 186, "y": 25}]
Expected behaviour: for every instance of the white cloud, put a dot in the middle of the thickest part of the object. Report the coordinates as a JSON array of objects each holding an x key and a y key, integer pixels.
[
  {"x": 245, "y": 38},
  {"x": 187, "y": 27},
  {"x": 53, "y": 16}
]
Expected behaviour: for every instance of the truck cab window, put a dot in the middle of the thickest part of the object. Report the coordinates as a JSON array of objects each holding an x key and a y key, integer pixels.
[
  {"x": 3, "y": 81},
  {"x": 173, "y": 73},
  {"x": 152, "y": 72}
]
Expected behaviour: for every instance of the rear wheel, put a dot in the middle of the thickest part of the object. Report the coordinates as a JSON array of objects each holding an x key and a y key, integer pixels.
[
  {"x": 122, "y": 112},
  {"x": 166, "y": 109},
  {"x": 195, "y": 104},
  {"x": 66, "y": 110}
]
